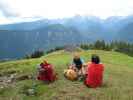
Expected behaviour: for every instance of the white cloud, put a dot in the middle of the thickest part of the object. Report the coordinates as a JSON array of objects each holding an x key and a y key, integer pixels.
[
  {"x": 7, "y": 10},
  {"x": 66, "y": 8}
]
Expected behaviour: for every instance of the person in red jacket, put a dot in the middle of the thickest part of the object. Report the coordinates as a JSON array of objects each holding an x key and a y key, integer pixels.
[
  {"x": 46, "y": 72},
  {"x": 94, "y": 72}
]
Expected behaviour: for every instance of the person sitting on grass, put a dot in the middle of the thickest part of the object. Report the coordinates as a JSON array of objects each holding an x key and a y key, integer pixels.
[
  {"x": 94, "y": 77},
  {"x": 78, "y": 64},
  {"x": 46, "y": 72}
]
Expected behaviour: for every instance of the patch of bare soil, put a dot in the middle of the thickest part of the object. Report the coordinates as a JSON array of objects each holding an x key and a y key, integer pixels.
[{"x": 10, "y": 77}]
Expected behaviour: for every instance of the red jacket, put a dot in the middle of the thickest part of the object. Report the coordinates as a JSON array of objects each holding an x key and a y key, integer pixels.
[
  {"x": 48, "y": 73},
  {"x": 94, "y": 75}
]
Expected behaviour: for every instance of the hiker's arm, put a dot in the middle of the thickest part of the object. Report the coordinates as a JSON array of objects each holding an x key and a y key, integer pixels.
[
  {"x": 72, "y": 65},
  {"x": 40, "y": 68}
]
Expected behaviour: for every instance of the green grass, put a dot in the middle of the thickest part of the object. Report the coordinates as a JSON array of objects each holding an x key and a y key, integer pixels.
[{"x": 118, "y": 79}]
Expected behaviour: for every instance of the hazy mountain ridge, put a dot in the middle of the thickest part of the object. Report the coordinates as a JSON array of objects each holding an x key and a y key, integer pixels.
[{"x": 18, "y": 39}]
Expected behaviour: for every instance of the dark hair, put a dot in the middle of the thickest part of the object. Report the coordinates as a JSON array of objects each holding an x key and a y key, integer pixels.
[{"x": 95, "y": 59}]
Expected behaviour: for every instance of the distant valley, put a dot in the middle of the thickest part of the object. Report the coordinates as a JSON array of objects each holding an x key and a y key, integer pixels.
[{"x": 19, "y": 39}]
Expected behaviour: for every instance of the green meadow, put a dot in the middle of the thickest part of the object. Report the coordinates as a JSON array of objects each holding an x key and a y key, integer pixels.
[{"x": 117, "y": 85}]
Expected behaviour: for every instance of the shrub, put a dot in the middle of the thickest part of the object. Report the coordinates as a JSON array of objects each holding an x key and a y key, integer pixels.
[{"x": 37, "y": 54}]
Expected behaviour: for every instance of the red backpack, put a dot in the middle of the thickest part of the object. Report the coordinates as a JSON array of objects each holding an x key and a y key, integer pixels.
[
  {"x": 47, "y": 72},
  {"x": 94, "y": 75}
]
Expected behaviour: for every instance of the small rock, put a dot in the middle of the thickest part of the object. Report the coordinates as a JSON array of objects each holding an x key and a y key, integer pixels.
[
  {"x": 12, "y": 76},
  {"x": 9, "y": 81},
  {"x": 30, "y": 77},
  {"x": 31, "y": 92},
  {"x": 1, "y": 87}
]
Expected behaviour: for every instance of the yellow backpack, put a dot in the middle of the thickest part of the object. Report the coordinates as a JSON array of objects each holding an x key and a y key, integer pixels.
[{"x": 70, "y": 74}]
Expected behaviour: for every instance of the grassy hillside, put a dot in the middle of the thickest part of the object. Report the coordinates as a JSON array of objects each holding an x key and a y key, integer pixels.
[{"x": 118, "y": 79}]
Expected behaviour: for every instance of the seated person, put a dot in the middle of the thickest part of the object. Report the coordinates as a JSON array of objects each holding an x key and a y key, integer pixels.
[
  {"x": 94, "y": 77},
  {"x": 77, "y": 64},
  {"x": 46, "y": 72}
]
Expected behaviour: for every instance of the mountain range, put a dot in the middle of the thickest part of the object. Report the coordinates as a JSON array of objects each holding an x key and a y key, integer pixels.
[{"x": 19, "y": 39}]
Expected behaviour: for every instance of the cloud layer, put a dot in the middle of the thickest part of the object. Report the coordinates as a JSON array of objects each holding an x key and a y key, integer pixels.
[{"x": 64, "y": 8}]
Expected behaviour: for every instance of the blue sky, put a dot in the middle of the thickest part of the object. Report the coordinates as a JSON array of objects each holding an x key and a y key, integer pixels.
[{"x": 27, "y": 10}]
